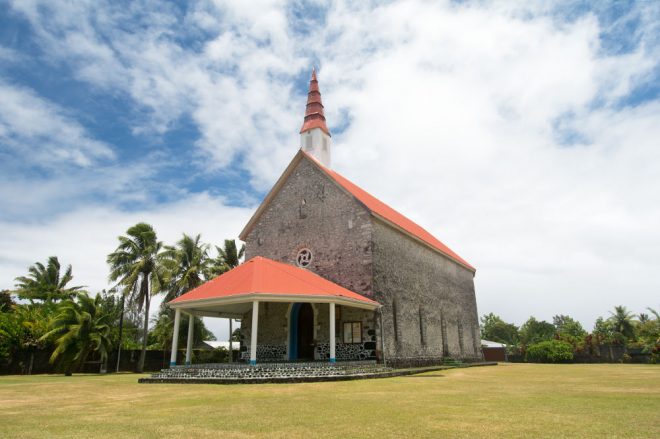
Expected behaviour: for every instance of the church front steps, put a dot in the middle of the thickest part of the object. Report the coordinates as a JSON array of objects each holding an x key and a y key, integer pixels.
[{"x": 286, "y": 372}]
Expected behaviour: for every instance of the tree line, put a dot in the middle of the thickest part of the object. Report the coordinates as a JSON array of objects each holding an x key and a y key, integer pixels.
[
  {"x": 564, "y": 338},
  {"x": 45, "y": 312}
]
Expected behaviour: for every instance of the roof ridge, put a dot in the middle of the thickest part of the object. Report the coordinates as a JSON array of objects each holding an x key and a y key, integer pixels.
[{"x": 365, "y": 198}]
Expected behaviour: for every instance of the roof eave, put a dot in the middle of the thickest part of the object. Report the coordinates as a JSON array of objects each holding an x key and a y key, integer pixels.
[{"x": 273, "y": 297}]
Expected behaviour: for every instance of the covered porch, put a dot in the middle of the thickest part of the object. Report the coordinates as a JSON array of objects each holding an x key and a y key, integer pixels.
[{"x": 287, "y": 314}]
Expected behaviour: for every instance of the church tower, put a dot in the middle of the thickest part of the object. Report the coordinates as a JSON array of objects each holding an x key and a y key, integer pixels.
[{"x": 314, "y": 134}]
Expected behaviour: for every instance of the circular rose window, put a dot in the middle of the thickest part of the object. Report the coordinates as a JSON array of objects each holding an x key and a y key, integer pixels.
[{"x": 304, "y": 257}]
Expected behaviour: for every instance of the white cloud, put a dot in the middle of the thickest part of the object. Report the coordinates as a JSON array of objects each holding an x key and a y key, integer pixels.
[
  {"x": 43, "y": 132},
  {"x": 84, "y": 238},
  {"x": 498, "y": 126},
  {"x": 459, "y": 113}
]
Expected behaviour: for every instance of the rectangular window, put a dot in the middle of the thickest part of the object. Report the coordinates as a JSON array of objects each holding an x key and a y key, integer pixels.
[{"x": 352, "y": 332}]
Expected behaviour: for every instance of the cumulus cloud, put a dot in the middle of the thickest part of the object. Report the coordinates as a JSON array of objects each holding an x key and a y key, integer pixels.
[
  {"x": 515, "y": 132},
  {"x": 34, "y": 127}
]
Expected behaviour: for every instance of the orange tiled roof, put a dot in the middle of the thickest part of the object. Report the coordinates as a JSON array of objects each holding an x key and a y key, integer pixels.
[
  {"x": 264, "y": 276},
  {"x": 383, "y": 210}
]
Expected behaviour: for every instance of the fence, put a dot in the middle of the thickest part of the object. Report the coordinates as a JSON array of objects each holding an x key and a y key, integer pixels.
[
  {"x": 37, "y": 361},
  {"x": 601, "y": 354}
]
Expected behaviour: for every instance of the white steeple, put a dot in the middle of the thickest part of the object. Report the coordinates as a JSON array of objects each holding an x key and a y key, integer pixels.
[{"x": 314, "y": 134}]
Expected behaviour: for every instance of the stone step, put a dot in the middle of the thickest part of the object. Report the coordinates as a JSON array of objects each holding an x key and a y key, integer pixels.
[{"x": 270, "y": 370}]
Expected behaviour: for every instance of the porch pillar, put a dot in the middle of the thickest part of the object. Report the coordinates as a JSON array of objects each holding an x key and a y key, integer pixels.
[
  {"x": 231, "y": 345},
  {"x": 191, "y": 324},
  {"x": 253, "y": 334},
  {"x": 332, "y": 332},
  {"x": 175, "y": 336}
]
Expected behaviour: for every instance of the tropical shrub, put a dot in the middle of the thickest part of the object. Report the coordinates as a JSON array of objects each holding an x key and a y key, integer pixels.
[
  {"x": 550, "y": 351},
  {"x": 493, "y": 328},
  {"x": 534, "y": 331},
  {"x": 80, "y": 328}
]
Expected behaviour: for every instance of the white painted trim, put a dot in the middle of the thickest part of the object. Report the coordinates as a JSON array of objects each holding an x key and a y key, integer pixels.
[
  {"x": 266, "y": 297},
  {"x": 175, "y": 336},
  {"x": 189, "y": 344},
  {"x": 253, "y": 334},
  {"x": 231, "y": 342},
  {"x": 217, "y": 314},
  {"x": 332, "y": 331}
]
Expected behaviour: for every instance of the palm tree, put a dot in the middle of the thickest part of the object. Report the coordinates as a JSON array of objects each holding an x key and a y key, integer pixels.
[
  {"x": 229, "y": 256},
  {"x": 643, "y": 318},
  {"x": 622, "y": 320},
  {"x": 135, "y": 265},
  {"x": 654, "y": 312},
  {"x": 46, "y": 283},
  {"x": 80, "y": 327},
  {"x": 187, "y": 264}
]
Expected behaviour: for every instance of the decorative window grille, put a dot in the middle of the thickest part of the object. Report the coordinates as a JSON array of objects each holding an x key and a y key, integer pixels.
[{"x": 304, "y": 257}]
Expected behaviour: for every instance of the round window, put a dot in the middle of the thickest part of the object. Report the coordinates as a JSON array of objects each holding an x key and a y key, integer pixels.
[{"x": 304, "y": 257}]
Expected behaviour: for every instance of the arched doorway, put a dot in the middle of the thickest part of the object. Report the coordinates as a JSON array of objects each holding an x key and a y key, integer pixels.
[{"x": 301, "y": 342}]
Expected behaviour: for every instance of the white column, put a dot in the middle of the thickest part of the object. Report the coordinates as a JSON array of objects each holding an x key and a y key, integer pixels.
[
  {"x": 253, "y": 334},
  {"x": 175, "y": 336},
  {"x": 231, "y": 344},
  {"x": 191, "y": 328},
  {"x": 332, "y": 333}
]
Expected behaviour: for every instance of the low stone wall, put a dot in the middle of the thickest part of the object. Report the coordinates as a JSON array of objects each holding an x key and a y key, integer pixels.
[
  {"x": 266, "y": 352},
  {"x": 347, "y": 351},
  {"x": 343, "y": 352}
]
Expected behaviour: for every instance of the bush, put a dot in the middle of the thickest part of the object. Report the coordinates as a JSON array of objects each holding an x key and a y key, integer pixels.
[{"x": 551, "y": 351}]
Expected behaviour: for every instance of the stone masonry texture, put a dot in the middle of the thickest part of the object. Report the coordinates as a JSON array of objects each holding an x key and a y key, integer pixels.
[{"x": 429, "y": 306}]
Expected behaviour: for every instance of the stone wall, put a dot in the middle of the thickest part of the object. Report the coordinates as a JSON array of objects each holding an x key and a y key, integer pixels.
[
  {"x": 427, "y": 297},
  {"x": 429, "y": 306},
  {"x": 273, "y": 332},
  {"x": 311, "y": 211}
]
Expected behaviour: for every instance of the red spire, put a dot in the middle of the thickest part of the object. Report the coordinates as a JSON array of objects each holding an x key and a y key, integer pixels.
[{"x": 314, "y": 117}]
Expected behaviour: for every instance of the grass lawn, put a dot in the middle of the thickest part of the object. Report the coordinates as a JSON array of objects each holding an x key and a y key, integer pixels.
[{"x": 508, "y": 400}]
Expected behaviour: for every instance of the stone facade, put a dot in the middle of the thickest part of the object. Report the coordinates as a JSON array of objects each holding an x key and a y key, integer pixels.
[
  {"x": 429, "y": 305},
  {"x": 311, "y": 211}
]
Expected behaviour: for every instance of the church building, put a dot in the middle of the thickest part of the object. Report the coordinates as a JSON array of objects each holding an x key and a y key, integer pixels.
[{"x": 334, "y": 274}]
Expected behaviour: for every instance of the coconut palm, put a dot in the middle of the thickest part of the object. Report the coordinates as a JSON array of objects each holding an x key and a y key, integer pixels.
[
  {"x": 46, "y": 283},
  {"x": 643, "y": 318},
  {"x": 655, "y": 313},
  {"x": 136, "y": 267},
  {"x": 187, "y": 263},
  {"x": 80, "y": 327},
  {"x": 229, "y": 256},
  {"x": 622, "y": 320}
]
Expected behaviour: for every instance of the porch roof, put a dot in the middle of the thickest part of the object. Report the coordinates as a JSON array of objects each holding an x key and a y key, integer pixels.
[{"x": 264, "y": 279}]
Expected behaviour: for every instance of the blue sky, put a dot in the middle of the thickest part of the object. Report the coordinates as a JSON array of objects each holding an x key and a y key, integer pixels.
[{"x": 524, "y": 136}]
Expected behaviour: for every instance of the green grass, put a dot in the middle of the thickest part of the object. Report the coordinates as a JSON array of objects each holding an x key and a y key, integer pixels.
[{"x": 521, "y": 400}]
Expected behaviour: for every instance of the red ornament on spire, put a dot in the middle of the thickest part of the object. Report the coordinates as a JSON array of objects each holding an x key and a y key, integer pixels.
[{"x": 314, "y": 117}]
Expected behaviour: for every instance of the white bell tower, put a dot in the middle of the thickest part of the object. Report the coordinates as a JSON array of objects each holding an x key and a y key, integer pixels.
[{"x": 315, "y": 137}]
